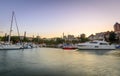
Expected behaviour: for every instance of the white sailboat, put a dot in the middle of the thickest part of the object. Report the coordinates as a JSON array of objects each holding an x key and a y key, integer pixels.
[{"x": 9, "y": 46}]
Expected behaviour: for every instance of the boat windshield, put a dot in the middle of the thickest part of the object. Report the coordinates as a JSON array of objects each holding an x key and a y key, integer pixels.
[{"x": 103, "y": 44}]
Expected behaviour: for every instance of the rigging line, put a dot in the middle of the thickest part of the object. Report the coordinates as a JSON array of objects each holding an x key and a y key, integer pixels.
[{"x": 16, "y": 25}]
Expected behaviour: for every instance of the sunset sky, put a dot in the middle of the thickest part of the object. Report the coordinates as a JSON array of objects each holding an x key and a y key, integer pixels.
[{"x": 50, "y": 18}]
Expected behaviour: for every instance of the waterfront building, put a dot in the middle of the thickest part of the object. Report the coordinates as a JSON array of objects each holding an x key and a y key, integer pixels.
[
  {"x": 82, "y": 36},
  {"x": 70, "y": 38},
  {"x": 99, "y": 36},
  {"x": 91, "y": 37},
  {"x": 117, "y": 30},
  {"x": 117, "y": 27}
]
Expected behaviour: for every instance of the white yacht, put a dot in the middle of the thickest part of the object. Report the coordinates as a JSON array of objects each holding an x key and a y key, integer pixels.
[{"x": 96, "y": 45}]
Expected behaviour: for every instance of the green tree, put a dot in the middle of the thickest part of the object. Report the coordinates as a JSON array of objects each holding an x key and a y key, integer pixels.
[
  {"x": 83, "y": 38},
  {"x": 59, "y": 41},
  {"x": 15, "y": 39},
  {"x": 112, "y": 37},
  {"x": 4, "y": 38},
  {"x": 0, "y": 38}
]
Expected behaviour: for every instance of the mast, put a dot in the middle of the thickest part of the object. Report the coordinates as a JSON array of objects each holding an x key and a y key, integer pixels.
[
  {"x": 11, "y": 28},
  {"x": 13, "y": 17}
]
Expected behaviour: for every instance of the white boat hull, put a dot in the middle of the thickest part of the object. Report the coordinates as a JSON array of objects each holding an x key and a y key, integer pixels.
[
  {"x": 100, "y": 47},
  {"x": 9, "y": 47}
]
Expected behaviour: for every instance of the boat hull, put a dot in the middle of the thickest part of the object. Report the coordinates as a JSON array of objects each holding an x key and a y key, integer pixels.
[
  {"x": 93, "y": 49},
  {"x": 97, "y": 48},
  {"x": 96, "y": 45},
  {"x": 69, "y": 48},
  {"x": 10, "y": 47}
]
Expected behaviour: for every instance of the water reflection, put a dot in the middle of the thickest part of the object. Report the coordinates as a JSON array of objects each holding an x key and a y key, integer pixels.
[
  {"x": 59, "y": 62},
  {"x": 98, "y": 52}
]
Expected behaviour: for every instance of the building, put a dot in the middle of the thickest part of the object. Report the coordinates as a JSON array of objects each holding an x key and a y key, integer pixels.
[
  {"x": 69, "y": 38},
  {"x": 117, "y": 27},
  {"x": 91, "y": 37},
  {"x": 99, "y": 36},
  {"x": 117, "y": 30},
  {"x": 106, "y": 35},
  {"x": 82, "y": 36}
]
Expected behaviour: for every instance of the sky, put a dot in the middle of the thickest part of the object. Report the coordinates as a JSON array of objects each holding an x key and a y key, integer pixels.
[{"x": 50, "y": 18}]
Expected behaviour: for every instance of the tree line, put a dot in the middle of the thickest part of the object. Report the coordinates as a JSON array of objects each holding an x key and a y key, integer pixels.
[{"x": 113, "y": 38}]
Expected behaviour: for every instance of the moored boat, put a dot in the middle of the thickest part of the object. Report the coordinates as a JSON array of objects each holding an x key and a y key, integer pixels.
[
  {"x": 96, "y": 45},
  {"x": 69, "y": 46},
  {"x": 8, "y": 45},
  {"x": 29, "y": 46}
]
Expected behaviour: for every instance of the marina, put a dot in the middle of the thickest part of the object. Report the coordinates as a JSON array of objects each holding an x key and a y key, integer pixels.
[
  {"x": 59, "y": 38},
  {"x": 59, "y": 62}
]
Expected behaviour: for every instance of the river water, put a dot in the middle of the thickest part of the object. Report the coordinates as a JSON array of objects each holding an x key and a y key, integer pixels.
[{"x": 59, "y": 62}]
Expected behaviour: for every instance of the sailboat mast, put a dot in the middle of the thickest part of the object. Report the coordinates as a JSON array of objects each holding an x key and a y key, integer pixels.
[{"x": 11, "y": 28}]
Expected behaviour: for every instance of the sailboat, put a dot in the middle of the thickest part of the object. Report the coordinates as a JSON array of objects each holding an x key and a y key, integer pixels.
[{"x": 8, "y": 45}]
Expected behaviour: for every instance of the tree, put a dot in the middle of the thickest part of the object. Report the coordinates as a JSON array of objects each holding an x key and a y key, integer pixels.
[
  {"x": 59, "y": 41},
  {"x": 25, "y": 39},
  {"x": 112, "y": 37},
  {"x": 83, "y": 38},
  {"x": 0, "y": 38},
  {"x": 15, "y": 39},
  {"x": 4, "y": 38}
]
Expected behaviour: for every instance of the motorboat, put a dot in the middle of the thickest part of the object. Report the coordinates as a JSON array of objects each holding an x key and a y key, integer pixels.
[
  {"x": 69, "y": 46},
  {"x": 96, "y": 44},
  {"x": 29, "y": 46}
]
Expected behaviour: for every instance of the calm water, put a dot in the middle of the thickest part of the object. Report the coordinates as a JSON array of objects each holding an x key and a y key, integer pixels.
[{"x": 59, "y": 62}]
